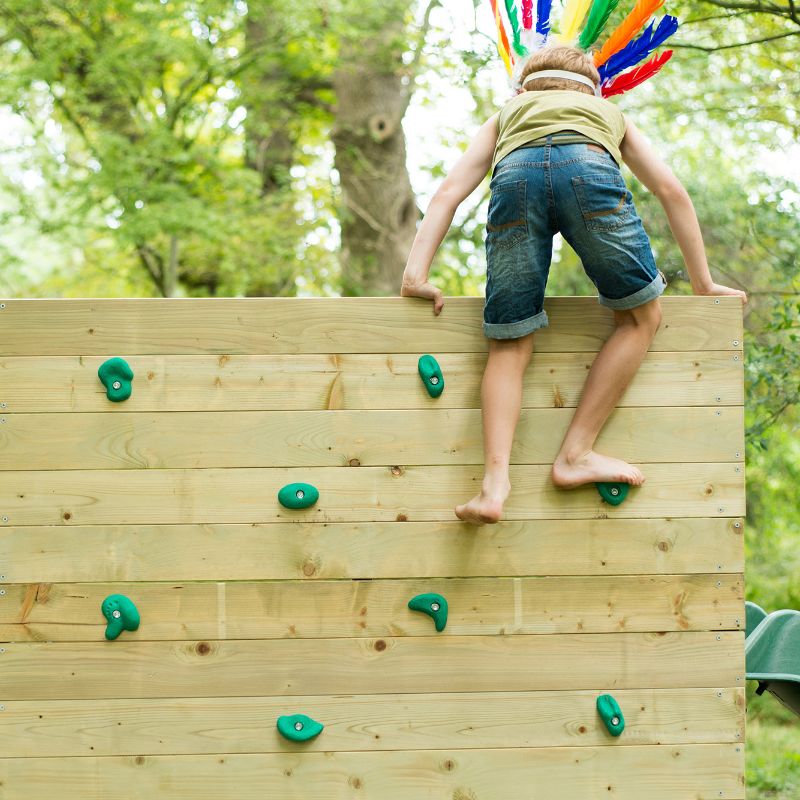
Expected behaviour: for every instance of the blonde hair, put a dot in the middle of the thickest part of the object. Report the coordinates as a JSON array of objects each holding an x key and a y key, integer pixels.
[{"x": 559, "y": 57}]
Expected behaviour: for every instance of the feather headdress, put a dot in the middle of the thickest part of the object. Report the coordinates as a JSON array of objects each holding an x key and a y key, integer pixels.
[{"x": 621, "y": 51}]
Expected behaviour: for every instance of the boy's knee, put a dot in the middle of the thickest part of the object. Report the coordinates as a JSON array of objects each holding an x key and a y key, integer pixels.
[{"x": 646, "y": 318}]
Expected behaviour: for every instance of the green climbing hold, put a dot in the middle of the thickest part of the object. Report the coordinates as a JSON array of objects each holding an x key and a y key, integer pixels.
[
  {"x": 121, "y": 613},
  {"x": 431, "y": 374},
  {"x": 432, "y": 604},
  {"x": 613, "y": 493},
  {"x": 299, "y": 727},
  {"x": 116, "y": 376},
  {"x": 298, "y": 495},
  {"x": 611, "y": 714},
  {"x": 754, "y": 614}
]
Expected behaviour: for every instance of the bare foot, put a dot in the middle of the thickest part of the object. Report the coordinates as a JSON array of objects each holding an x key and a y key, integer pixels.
[
  {"x": 591, "y": 467},
  {"x": 485, "y": 508}
]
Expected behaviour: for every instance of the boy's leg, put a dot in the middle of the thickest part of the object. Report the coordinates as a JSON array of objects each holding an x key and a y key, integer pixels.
[
  {"x": 501, "y": 400},
  {"x": 612, "y": 371}
]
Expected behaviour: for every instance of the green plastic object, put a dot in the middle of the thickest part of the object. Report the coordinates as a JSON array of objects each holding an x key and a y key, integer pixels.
[
  {"x": 117, "y": 376},
  {"x": 611, "y": 714},
  {"x": 613, "y": 493},
  {"x": 753, "y": 616},
  {"x": 432, "y": 604},
  {"x": 431, "y": 374},
  {"x": 121, "y": 614},
  {"x": 298, "y": 495},
  {"x": 772, "y": 656},
  {"x": 299, "y": 727}
]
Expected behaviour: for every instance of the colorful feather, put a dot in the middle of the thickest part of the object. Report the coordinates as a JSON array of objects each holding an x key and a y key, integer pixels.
[
  {"x": 527, "y": 14},
  {"x": 502, "y": 39},
  {"x": 513, "y": 18},
  {"x": 632, "y": 78},
  {"x": 543, "y": 16},
  {"x": 627, "y": 29},
  {"x": 599, "y": 13},
  {"x": 639, "y": 49},
  {"x": 574, "y": 14}
]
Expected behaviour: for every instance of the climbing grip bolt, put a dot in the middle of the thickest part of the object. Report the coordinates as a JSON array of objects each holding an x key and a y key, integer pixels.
[
  {"x": 613, "y": 493},
  {"x": 121, "y": 615},
  {"x": 431, "y": 374},
  {"x": 299, "y": 727},
  {"x": 298, "y": 495},
  {"x": 116, "y": 375},
  {"x": 432, "y": 604}
]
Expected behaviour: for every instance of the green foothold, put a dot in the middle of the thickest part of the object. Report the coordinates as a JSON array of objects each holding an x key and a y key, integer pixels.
[
  {"x": 611, "y": 714},
  {"x": 121, "y": 613},
  {"x": 299, "y": 727},
  {"x": 431, "y": 374},
  {"x": 116, "y": 375},
  {"x": 613, "y": 493},
  {"x": 298, "y": 495},
  {"x": 434, "y": 605}
]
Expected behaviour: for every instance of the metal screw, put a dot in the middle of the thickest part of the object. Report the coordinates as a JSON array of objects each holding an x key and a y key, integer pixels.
[
  {"x": 300, "y": 494},
  {"x": 719, "y": 583},
  {"x": 116, "y": 614},
  {"x": 737, "y": 455},
  {"x": 719, "y": 638},
  {"x": 3, "y": 420},
  {"x": 614, "y": 491},
  {"x": 719, "y": 566},
  {"x": 719, "y": 399},
  {"x": 737, "y": 469},
  {"x": 719, "y": 413},
  {"x": 298, "y": 726},
  {"x": 735, "y": 342},
  {"x": 2, "y": 649},
  {"x": 434, "y": 380},
  {"x": 2, "y": 708},
  {"x": 736, "y": 358},
  {"x": 116, "y": 384},
  {"x": 435, "y": 606},
  {"x": 615, "y": 720},
  {"x": 719, "y": 694},
  {"x": 2, "y": 405},
  {"x": 737, "y": 524},
  {"x": 738, "y": 678},
  {"x": 2, "y": 305},
  {"x": 721, "y": 510},
  {"x": 2, "y": 592},
  {"x": 716, "y": 302},
  {"x": 5, "y": 519},
  {"x": 738, "y": 622}
]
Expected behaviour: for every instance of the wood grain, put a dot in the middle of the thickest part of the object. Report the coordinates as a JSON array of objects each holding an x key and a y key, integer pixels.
[
  {"x": 332, "y": 325},
  {"x": 310, "y": 551},
  {"x": 349, "y": 381},
  {"x": 465, "y": 721},
  {"x": 294, "y": 609},
  {"x": 210, "y": 668},
  {"x": 669, "y": 772}
]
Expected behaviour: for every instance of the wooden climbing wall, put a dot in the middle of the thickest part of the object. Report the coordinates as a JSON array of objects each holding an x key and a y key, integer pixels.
[{"x": 250, "y": 611}]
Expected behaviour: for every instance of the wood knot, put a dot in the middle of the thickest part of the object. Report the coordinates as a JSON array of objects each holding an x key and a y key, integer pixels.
[
  {"x": 709, "y": 490},
  {"x": 309, "y": 569},
  {"x": 397, "y": 470},
  {"x": 138, "y": 760},
  {"x": 402, "y": 518},
  {"x": 582, "y": 729},
  {"x": 380, "y": 645},
  {"x": 449, "y": 765},
  {"x": 203, "y": 648},
  {"x": 664, "y": 546},
  {"x": 67, "y": 515},
  {"x": 355, "y": 782},
  {"x": 354, "y": 462}
]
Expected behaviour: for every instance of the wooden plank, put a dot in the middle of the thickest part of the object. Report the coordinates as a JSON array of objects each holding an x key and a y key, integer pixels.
[
  {"x": 350, "y": 381},
  {"x": 668, "y": 772},
  {"x": 342, "y": 438},
  {"x": 331, "y": 325},
  {"x": 97, "y": 497},
  {"x": 310, "y": 552},
  {"x": 294, "y": 609},
  {"x": 461, "y": 721},
  {"x": 213, "y": 668}
]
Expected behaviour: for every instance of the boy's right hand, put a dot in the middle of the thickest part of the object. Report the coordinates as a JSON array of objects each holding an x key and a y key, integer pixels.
[
  {"x": 427, "y": 291},
  {"x": 718, "y": 290}
]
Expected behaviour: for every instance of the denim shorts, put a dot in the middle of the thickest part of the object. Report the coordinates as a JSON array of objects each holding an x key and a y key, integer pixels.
[{"x": 577, "y": 189}]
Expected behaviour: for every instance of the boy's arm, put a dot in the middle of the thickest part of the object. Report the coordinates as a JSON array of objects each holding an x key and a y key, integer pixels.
[
  {"x": 460, "y": 182},
  {"x": 660, "y": 180}
]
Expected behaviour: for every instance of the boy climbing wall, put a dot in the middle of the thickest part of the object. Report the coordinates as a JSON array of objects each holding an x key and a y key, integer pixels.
[{"x": 555, "y": 151}]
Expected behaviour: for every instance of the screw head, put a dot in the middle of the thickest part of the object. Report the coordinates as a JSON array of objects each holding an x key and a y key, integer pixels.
[
  {"x": 736, "y": 358},
  {"x": 2, "y": 405},
  {"x": 435, "y": 606},
  {"x": 116, "y": 384},
  {"x": 298, "y": 726},
  {"x": 116, "y": 613},
  {"x": 2, "y": 305},
  {"x": 716, "y": 302},
  {"x": 615, "y": 720},
  {"x": 2, "y": 592},
  {"x": 737, "y": 524},
  {"x": 434, "y": 379},
  {"x": 614, "y": 493},
  {"x": 5, "y": 519},
  {"x": 735, "y": 342},
  {"x": 719, "y": 638},
  {"x": 719, "y": 399},
  {"x": 299, "y": 494}
]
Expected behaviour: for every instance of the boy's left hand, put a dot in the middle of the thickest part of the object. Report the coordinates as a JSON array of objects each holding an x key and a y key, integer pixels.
[{"x": 427, "y": 291}]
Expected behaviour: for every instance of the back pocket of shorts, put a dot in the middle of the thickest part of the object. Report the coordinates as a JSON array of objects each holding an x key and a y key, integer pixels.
[
  {"x": 604, "y": 200},
  {"x": 506, "y": 224}
]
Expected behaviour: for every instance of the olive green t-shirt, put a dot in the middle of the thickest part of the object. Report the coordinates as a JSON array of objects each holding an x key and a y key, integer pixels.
[{"x": 532, "y": 115}]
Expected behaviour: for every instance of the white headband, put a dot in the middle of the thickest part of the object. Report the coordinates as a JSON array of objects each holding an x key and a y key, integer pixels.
[{"x": 560, "y": 73}]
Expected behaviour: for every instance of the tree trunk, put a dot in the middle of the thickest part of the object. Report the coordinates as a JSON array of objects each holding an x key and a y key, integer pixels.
[{"x": 378, "y": 213}]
